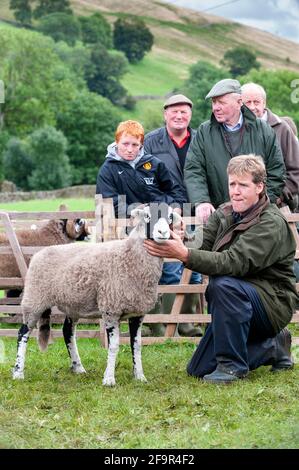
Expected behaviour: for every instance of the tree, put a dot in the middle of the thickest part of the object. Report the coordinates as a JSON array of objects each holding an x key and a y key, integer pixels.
[
  {"x": 1, "y": 169},
  {"x": 203, "y": 76},
  {"x": 76, "y": 58},
  {"x": 22, "y": 10},
  {"x": 89, "y": 123},
  {"x": 240, "y": 60},
  {"x": 51, "y": 168},
  {"x": 104, "y": 72},
  {"x": 4, "y": 138},
  {"x": 132, "y": 37},
  {"x": 61, "y": 27},
  {"x": 45, "y": 7},
  {"x": 280, "y": 89},
  {"x": 17, "y": 164},
  {"x": 39, "y": 161},
  {"x": 37, "y": 83},
  {"x": 96, "y": 29}
]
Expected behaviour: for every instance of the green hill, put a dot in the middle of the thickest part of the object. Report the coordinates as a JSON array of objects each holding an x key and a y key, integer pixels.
[
  {"x": 182, "y": 37},
  {"x": 186, "y": 36}
]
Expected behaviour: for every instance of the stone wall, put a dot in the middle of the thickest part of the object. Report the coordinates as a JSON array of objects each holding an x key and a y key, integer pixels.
[{"x": 71, "y": 192}]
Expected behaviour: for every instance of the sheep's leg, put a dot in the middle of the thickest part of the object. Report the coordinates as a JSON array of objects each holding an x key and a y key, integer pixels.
[
  {"x": 113, "y": 347},
  {"x": 23, "y": 336},
  {"x": 135, "y": 324},
  {"x": 69, "y": 335}
]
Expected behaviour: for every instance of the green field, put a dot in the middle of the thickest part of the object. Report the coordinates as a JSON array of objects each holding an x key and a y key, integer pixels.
[
  {"x": 52, "y": 408},
  {"x": 80, "y": 204},
  {"x": 148, "y": 112},
  {"x": 155, "y": 75}
]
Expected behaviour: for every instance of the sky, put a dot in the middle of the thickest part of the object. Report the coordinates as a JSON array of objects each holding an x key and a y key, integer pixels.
[{"x": 280, "y": 17}]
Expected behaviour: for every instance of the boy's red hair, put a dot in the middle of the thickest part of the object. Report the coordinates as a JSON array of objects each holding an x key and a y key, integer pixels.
[{"x": 133, "y": 128}]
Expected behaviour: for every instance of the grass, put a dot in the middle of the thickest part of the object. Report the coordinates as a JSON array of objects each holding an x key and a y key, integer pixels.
[
  {"x": 52, "y": 408},
  {"x": 156, "y": 73},
  {"x": 148, "y": 112},
  {"x": 4, "y": 25},
  {"x": 79, "y": 204},
  {"x": 5, "y": 11},
  {"x": 194, "y": 27}
]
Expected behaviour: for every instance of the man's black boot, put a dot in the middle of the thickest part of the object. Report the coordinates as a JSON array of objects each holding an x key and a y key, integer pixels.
[
  {"x": 222, "y": 375},
  {"x": 283, "y": 360}
]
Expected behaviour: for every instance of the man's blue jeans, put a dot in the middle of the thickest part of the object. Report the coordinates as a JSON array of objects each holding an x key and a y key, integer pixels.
[{"x": 172, "y": 272}]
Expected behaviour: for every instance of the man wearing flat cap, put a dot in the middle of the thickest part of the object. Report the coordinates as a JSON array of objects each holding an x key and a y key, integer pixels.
[
  {"x": 170, "y": 144},
  {"x": 232, "y": 130}
]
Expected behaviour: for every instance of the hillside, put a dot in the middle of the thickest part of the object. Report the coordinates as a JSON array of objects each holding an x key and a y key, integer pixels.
[
  {"x": 182, "y": 37},
  {"x": 185, "y": 36}
]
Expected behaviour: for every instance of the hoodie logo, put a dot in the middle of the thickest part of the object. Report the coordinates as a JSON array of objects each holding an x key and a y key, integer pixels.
[
  {"x": 147, "y": 165},
  {"x": 149, "y": 180},
  {"x": 120, "y": 172}
]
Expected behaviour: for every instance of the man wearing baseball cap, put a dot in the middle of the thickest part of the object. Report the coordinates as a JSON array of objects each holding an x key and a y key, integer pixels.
[
  {"x": 170, "y": 144},
  {"x": 232, "y": 130}
]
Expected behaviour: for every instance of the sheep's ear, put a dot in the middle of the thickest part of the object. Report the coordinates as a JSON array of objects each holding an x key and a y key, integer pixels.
[
  {"x": 78, "y": 225},
  {"x": 137, "y": 213},
  {"x": 176, "y": 218}
]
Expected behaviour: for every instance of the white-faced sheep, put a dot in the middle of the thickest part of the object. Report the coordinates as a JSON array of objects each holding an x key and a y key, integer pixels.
[{"x": 115, "y": 280}]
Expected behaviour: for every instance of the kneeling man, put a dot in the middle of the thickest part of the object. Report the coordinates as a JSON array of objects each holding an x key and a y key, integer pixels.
[{"x": 248, "y": 251}]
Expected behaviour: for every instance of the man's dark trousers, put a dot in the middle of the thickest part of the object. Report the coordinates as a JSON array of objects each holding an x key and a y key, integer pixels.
[{"x": 240, "y": 336}]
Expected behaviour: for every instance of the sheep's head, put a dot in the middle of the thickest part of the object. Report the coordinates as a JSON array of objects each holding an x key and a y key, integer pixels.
[
  {"x": 77, "y": 229},
  {"x": 156, "y": 219}
]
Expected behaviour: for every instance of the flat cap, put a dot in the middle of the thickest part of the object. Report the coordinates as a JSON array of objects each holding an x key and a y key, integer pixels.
[
  {"x": 228, "y": 85},
  {"x": 177, "y": 99}
]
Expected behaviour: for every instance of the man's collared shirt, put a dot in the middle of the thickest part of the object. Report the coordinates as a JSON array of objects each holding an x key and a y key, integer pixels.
[
  {"x": 265, "y": 116},
  {"x": 183, "y": 142},
  {"x": 236, "y": 127}
]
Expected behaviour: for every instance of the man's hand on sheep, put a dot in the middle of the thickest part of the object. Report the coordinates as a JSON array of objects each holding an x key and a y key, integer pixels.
[
  {"x": 173, "y": 248},
  {"x": 179, "y": 229}
]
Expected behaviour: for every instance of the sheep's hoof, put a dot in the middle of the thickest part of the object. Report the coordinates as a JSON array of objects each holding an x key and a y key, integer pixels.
[
  {"x": 109, "y": 381},
  {"x": 78, "y": 369},
  {"x": 17, "y": 375},
  {"x": 141, "y": 377}
]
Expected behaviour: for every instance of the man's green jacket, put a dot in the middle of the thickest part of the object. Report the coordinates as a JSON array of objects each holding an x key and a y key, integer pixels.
[
  {"x": 259, "y": 249},
  {"x": 209, "y": 154}
]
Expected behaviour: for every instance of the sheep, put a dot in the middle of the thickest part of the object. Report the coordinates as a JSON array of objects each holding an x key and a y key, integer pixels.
[
  {"x": 53, "y": 232},
  {"x": 116, "y": 280}
]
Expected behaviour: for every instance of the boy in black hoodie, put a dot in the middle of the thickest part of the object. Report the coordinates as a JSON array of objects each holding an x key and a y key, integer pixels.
[{"x": 131, "y": 177}]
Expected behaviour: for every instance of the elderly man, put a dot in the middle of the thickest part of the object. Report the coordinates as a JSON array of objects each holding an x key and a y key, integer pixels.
[
  {"x": 251, "y": 293},
  {"x": 170, "y": 144},
  {"x": 232, "y": 130},
  {"x": 254, "y": 97}
]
